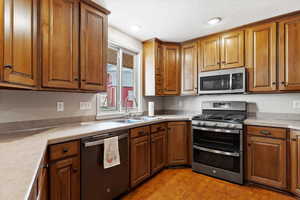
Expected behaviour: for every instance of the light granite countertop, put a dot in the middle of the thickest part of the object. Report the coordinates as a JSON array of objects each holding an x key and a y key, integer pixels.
[{"x": 21, "y": 154}]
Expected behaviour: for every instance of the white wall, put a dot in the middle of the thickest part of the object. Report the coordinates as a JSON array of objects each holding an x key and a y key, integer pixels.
[
  {"x": 265, "y": 103},
  {"x": 18, "y": 105}
]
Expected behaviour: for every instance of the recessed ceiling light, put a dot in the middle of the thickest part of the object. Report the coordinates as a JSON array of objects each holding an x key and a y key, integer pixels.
[
  {"x": 214, "y": 20},
  {"x": 135, "y": 28}
]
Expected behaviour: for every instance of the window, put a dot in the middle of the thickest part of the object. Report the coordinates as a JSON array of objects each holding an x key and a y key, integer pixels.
[{"x": 122, "y": 83}]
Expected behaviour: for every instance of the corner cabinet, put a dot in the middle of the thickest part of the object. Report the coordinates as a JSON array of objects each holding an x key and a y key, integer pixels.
[
  {"x": 161, "y": 68},
  {"x": 93, "y": 45},
  {"x": 295, "y": 162},
  {"x": 177, "y": 143},
  {"x": 18, "y": 43},
  {"x": 189, "y": 69},
  {"x": 60, "y": 43},
  {"x": 289, "y": 63},
  {"x": 261, "y": 57}
]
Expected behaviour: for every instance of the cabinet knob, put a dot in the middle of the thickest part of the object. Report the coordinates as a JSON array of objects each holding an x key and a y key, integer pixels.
[
  {"x": 83, "y": 80},
  {"x": 65, "y": 150},
  {"x": 273, "y": 83},
  {"x": 282, "y": 83},
  {"x": 76, "y": 79}
]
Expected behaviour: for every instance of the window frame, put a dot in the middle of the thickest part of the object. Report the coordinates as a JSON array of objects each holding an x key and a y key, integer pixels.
[{"x": 120, "y": 112}]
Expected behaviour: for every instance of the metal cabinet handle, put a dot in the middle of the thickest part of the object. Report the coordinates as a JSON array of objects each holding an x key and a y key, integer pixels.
[
  {"x": 76, "y": 79},
  {"x": 65, "y": 150},
  {"x": 273, "y": 83},
  {"x": 265, "y": 132},
  {"x": 8, "y": 66}
]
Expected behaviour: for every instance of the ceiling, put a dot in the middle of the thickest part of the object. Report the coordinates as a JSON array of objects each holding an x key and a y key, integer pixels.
[{"x": 180, "y": 20}]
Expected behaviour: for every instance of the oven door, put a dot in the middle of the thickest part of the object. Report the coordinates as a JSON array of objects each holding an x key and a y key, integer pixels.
[{"x": 219, "y": 148}]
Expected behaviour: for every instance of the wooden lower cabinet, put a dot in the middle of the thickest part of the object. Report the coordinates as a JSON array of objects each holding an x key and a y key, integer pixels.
[
  {"x": 177, "y": 143},
  {"x": 64, "y": 171},
  {"x": 266, "y": 161},
  {"x": 140, "y": 159},
  {"x": 158, "y": 151},
  {"x": 295, "y": 162}
]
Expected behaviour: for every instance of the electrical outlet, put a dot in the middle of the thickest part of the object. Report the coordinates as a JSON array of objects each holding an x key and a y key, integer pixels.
[
  {"x": 60, "y": 106},
  {"x": 296, "y": 104},
  {"x": 88, "y": 105},
  {"x": 82, "y": 105}
]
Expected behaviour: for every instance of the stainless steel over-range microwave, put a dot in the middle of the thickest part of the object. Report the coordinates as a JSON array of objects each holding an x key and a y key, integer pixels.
[{"x": 227, "y": 81}]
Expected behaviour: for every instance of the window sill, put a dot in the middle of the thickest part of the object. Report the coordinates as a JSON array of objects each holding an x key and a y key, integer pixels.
[{"x": 114, "y": 115}]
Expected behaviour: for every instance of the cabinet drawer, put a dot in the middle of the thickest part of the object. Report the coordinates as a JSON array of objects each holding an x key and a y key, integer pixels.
[
  {"x": 63, "y": 150},
  {"x": 139, "y": 132},
  {"x": 158, "y": 128},
  {"x": 267, "y": 131}
]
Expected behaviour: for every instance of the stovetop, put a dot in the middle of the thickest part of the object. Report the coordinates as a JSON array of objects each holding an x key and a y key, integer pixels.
[{"x": 222, "y": 117}]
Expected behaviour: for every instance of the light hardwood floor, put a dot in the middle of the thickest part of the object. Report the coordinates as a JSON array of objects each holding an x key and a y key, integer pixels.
[{"x": 184, "y": 184}]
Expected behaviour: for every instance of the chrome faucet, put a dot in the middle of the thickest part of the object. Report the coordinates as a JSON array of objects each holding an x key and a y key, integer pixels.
[{"x": 126, "y": 104}]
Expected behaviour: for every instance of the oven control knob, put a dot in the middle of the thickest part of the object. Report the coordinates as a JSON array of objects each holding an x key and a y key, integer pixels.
[{"x": 201, "y": 124}]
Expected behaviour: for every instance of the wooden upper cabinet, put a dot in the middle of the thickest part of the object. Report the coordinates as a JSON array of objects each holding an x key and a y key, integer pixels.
[
  {"x": 177, "y": 143},
  {"x": 189, "y": 69},
  {"x": 266, "y": 161},
  {"x": 60, "y": 43},
  {"x": 171, "y": 70},
  {"x": 232, "y": 49},
  {"x": 209, "y": 57},
  {"x": 19, "y": 47},
  {"x": 261, "y": 57},
  {"x": 295, "y": 162},
  {"x": 289, "y": 62},
  {"x": 93, "y": 40}
]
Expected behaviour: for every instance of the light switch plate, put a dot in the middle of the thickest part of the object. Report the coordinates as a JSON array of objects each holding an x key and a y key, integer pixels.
[
  {"x": 296, "y": 104},
  {"x": 60, "y": 106}
]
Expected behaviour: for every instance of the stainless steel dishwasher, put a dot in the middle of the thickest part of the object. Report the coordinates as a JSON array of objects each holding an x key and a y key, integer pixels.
[{"x": 99, "y": 183}]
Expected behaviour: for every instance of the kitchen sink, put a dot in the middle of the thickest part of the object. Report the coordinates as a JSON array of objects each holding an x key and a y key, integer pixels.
[{"x": 129, "y": 121}]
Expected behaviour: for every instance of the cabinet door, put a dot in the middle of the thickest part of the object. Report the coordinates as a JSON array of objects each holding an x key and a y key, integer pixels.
[
  {"x": 158, "y": 151},
  {"x": 20, "y": 42},
  {"x": 158, "y": 70},
  {"x": 295, "y": 162},
  {"x": 189, "y": 69},
  {"x": 93, "y": 32},
  {"x": 171, "y": 70},
  {"x": 232, "y": 50},
  {"x": 60, "y": 38},
  {"x": 210, "y": 53},
  {"x": 65, "y": 179},
  {"x": 289, "y": 62},
  {"x": 140, "y": 159},
  {"x": 261, "y": 52},
  {"x": 267, "y": 161},
  {"x": 177, "y": 143}
]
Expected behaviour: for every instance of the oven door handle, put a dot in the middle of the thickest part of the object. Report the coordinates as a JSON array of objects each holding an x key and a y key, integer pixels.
[
  {"x": 97, "y": 142},
  {"x": 235, "y": 154},
  {"x": 219, "y": 130}
]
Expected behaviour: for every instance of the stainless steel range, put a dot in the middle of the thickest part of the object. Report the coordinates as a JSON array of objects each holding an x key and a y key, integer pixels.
[{"x": 218, "y": 140}]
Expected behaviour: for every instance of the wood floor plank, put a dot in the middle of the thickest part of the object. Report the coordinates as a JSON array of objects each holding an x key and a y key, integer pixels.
[{"x": 184, "y": 184}]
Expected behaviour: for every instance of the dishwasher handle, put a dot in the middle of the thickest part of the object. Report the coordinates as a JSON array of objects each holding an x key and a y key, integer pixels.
[{"x": 97, "y": 142}]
